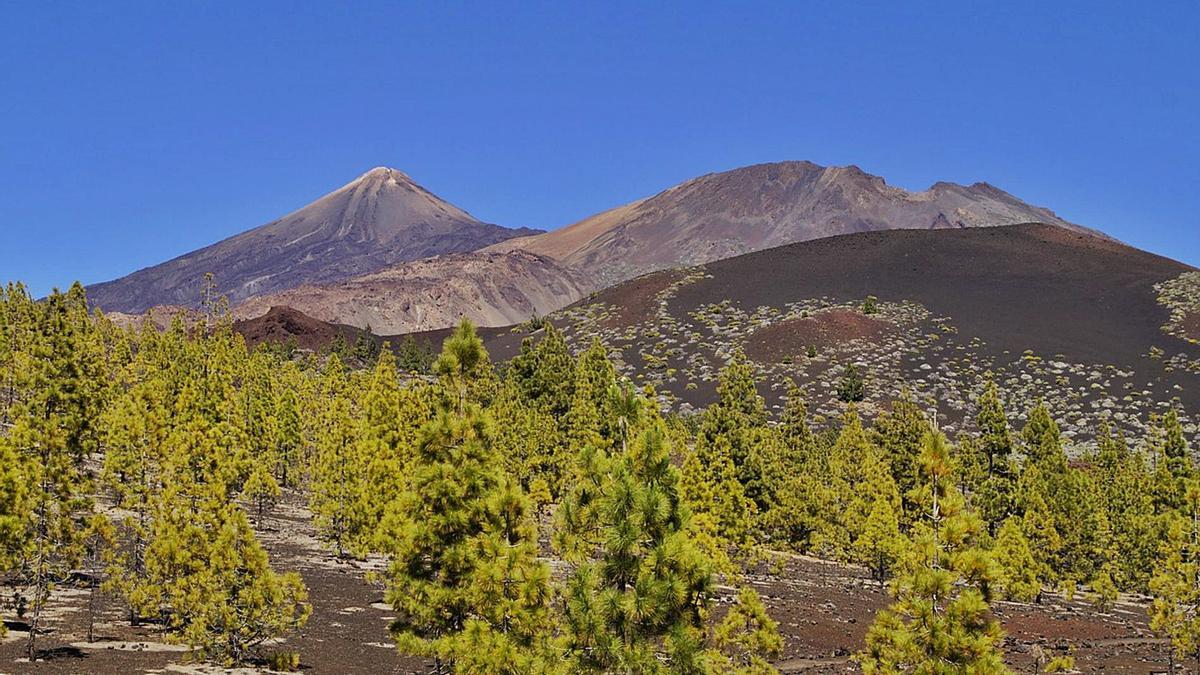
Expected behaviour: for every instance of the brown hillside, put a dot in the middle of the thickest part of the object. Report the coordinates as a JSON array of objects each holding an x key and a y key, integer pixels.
[
  {"x": 281, "y": 324},
  {"x": 490, "y": 289}
]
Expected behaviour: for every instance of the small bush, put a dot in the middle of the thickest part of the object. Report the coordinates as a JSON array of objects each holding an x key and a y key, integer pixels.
[
  {"x": 285, "y": 661},
  {"x": 1061, "y": 664},
  {"x": 852, "y": 388}
]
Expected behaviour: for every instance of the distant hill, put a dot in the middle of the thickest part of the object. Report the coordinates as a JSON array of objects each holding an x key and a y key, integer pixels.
[
  {"x": 721, "y": 215},
  {"x": 1051, "y": 311},
  {"x": 377, "y": 220},
  {"x": 281, "y": 325},
  {"x": 490, "y": 288}
]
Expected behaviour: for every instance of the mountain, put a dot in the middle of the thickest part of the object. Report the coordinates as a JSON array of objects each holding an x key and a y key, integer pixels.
[
  {"x": 721, "y": 215},
  {"x": 490, "y": 288},
  {"x": 1052, "y": 312},
  {"x": 379, "y": 219}
]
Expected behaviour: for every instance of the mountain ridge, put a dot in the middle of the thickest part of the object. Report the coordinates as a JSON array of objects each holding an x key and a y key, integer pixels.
[
  {"x": 728, "y": 213},
  {"x": 379, "y": 219}
]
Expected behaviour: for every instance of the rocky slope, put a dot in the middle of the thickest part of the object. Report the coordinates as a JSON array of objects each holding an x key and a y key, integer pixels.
[
  {"x": 1074, "y": 318},
  {"x": 379, "y": 219},
  {"x": 490, "y": 288},
  {"x": 726, "y": 214}
]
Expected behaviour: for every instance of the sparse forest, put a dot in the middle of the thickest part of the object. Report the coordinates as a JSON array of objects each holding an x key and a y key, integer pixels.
[{"x": 544, "y": 515}]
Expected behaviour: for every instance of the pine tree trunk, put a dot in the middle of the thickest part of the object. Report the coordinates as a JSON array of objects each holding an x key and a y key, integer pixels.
[{"x": 39, "y": 574}]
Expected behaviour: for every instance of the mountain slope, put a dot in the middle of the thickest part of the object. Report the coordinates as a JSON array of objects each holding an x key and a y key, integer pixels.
[
  {"x": 758, "y": 207},
  {"x": 1066, "y": 315},
  {"x": 379, "y": 219},
  {"x": 490, "y": 288}
]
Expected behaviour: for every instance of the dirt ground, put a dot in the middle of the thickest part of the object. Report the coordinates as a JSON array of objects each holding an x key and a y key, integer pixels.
[
  {"x": 1191, "y": 325},
  {"x": 824, "y": 610}
]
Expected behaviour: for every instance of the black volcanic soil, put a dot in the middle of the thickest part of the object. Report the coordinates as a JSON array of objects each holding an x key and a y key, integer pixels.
[
  {"x": 823, "y": 610},
  {"x": 636, "y": 297},
  {"x": 1023, "y": 287},
  {"x": 791, "y": 337},
  {"x": 1191, "y": 325}
]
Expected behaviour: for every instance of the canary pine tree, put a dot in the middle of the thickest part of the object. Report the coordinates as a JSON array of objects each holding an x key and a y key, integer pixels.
[
  {"x": 996, "y": 494},
  {"x": 898, "y": 434},
  {"x": 210, "y": 579},
  {"x": 464, "y": 579},
  {"x": 1176, "y": 581},
  {"x": 389, "y": 419},
  {"x": 639, "y": 590},
  {"x": 722, "y": 515},
  {"x": 13, "y": 511},
  {"x": 740, "y": 417},
  {"x": 745, "y": 638},
  {"x": 52, "y": 434},
  {"x": 545, "y": 372},
  {"x": 940, "y": 621},
  {"x": 590, "y": 420},
  {"x": 336, "y": 493},
  {"x": 1017, "y": 574},
  {"x": 844, "y": 509}
]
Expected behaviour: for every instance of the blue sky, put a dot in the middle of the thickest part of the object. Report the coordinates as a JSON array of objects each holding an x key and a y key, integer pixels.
[{"x": 133, "y": 132}]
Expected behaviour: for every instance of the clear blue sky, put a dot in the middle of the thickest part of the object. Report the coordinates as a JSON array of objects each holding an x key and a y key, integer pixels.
[{"x": 134, "y": 132}]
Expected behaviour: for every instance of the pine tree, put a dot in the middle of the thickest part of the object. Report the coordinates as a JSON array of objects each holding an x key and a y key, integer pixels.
[
  {"x": 213, "y": 582},
  {"x": 531, "y": 444},
  {"x": 1042, "y": 439},
  {"x": 1104, "y": 590},
  {"x": 1038, "y": 524},
  {"x": 99, "y": 539},
  {"x": 337, "y": 485},
  {"x": 793, "y": 425},
  {"x": 852, "y": 388},
  {"x": 261, "y": 490},
  {"x": 898, "y": 434},
  {"x": 465, "y": 580},
  {"x": 994, "y": 432},
  {"x": 745, "y": 638},
  {"x": 389, "y": 421},
  {"x": 589, "y": 421},
  {"x": 288, "y": 432},
  {"x": 13, "y": 511},
  {"x": 1176, "y": 581},
  {"x": 465, "y": 369},
  {"x": 941, "y": 621},
  {"x": 858, "y": 474},
  {"x": 722, "y": 514},
  {"x": 545, "y": 372},
  {"x": 740, "y": 417},
  {"x": 411, "y": 358},
  {"x": 996, "y": 496},
  {"x": 52, "y": 433},
  {"x": 1017, "y": 578},
  {"x": 880, "y": 546},
  {"x": 1126, "y": 498},
  {"x": 137, "y": 427},
  {"x": 637, "y": 596}
]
